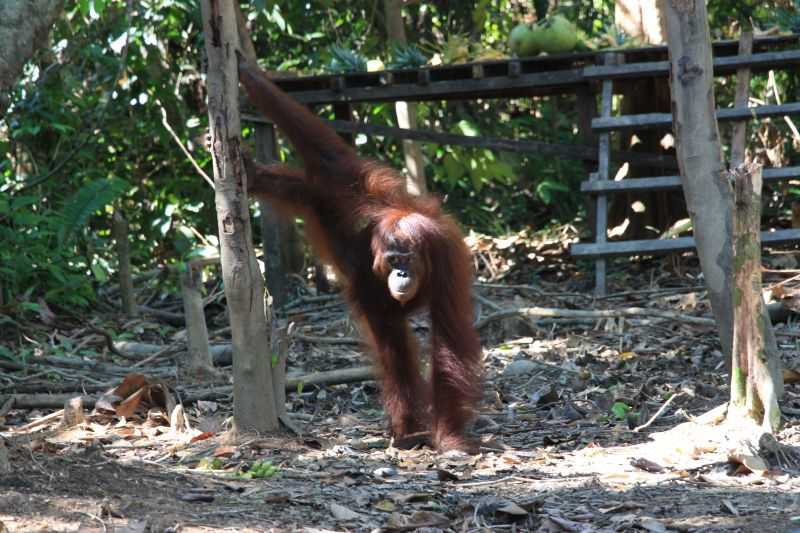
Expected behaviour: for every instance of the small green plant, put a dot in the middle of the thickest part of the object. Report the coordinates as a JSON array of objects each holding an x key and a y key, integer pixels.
[
  {"x": 260, "y": 470},
  {"x": 210, "y": 463},
  {"x": 620, "y": 410},
  {"x": 407, "y": 57}
]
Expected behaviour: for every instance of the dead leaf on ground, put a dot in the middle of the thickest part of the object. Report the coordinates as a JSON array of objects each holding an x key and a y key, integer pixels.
[
  {"x": 651, "y": 524},
  {"x": 511, "y": 508},
  {"x": 419, "y": 519},
  {"x": 340, "y": 512}
]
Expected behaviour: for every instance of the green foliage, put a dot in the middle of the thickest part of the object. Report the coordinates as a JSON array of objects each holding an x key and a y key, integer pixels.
[
  {"x": 260, "y": 470},
  {"x": 210, "y": 463},
  {"x": 84, "y": 203},
  {"x": 90, "y": 107},
  {"x": 620, "y": 410},
  {"x": 788, "y": 18}
]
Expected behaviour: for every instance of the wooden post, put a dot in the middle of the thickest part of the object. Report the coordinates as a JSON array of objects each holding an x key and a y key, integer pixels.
[
  {"x": 406, "y": 112},
  {"x": 273, "y": 228},
  {"x": 752, "y": 385},
  {"x": 253, "y": 396},
  {"x": 199, "y": 358},
  {"x": 120, "y": 231},
  {"x": 739, "y": 135},
  {"x": 603, "y": 164}
]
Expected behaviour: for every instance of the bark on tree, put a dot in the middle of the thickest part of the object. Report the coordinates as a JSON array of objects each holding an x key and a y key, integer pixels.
[
  {"x": 406, "y": 112},
  {"x": 738, "y": 153},
  {"x": 752, "y": 384},
  {"x": 709, "y": 197},
  {"x": 24, "y": 27},
  {"x": 254, "y": 407}
]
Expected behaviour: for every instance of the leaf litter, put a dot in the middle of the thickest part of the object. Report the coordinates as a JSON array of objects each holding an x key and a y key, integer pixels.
[{"x": 589, "y": 423}]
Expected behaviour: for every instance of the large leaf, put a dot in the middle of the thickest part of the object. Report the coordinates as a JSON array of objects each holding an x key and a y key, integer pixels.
[{"x": 84, "y": 203}]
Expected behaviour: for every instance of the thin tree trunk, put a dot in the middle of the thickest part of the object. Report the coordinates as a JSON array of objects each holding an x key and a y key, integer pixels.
[
  {"x": 254, "y": 406},
  {"x": 273, "y": 227},
  {"x": 406, "y": 112},
  {"x": 738, "y": 153},
  {"x": 120, "y": 229},
  {"x": 709, "y": 197},
  {"x": 199, "y": 360}
]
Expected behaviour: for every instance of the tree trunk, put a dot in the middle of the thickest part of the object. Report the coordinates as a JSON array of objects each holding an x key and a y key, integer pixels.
[
  {"x": 254, "y": 406},
  {"x": 119, "y": 227},
  {"x": 273, "y": 227},
  {"x": 752, "y": 385},
  {"x": 709, "y": 197},
  {"x": 198, "y": 360},
  {"x": 406, "y": 112},
  {"x": 24, "y": 27}
]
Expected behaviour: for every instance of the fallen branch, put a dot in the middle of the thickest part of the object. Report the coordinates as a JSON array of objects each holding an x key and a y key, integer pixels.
[
  {"x": 331, "y": 377},
  {"x": 658, "y": 413},
  {"x": 327, "y": 340},
  {"x": 552, "y": 312}
]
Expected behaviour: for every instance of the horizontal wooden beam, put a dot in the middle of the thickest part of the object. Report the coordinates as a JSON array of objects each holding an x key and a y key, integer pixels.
[
  {"x": 662, "y": 246},
  {"x": 664, "y": 120},
  {"x": 664, "y": 183},
  {"x": 508, "y": 76},
  {"x": 568, "y": 151},
  {"x": 563, "y": 80},
  {"x": 722, "y": 65}
]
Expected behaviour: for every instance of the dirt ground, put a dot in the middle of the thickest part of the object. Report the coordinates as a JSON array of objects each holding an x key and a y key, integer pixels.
[{"x": 563, "y": 397}]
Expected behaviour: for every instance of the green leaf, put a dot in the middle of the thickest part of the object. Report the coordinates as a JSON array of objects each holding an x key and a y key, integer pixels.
[
  {"x": 100, "y": 269},
  {"x": 99, "y": 7},
  {"x": 620, "y": 409},
  {"x": 83, "y": 204},
  {"x": 468, "y": 128},
  {"x": 21, "y": 202},
  {"x": 453, "y": 168}
]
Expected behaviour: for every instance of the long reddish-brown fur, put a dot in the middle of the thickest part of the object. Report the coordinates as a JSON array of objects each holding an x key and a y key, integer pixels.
[{"x": 354, "y": 210}]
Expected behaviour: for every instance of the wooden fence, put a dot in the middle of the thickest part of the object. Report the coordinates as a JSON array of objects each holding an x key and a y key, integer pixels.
[{"x": 578, "y": 74}]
